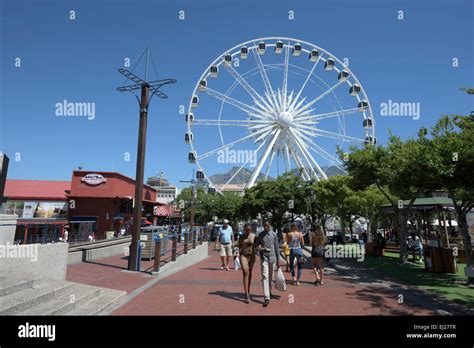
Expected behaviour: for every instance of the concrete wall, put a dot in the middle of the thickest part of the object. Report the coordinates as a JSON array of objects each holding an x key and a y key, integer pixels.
[
  {"x": 98, "y": 250},
  {"x": 7, "y": 228},
  {"x": 42, "y": 260}
]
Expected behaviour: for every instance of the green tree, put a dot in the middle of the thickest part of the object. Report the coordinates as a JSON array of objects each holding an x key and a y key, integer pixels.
[
  {"x": 453, "y": 144},
  {"x": 368, "y": 205},
  {"x": 354, "y": 203},
  {"x": 331, "y": 196},
  {"x": 399, "y": 169},
  {"x": 202, "y": 213},
  {"x": 275, "y": 200},
  {"x": 319, "y": 207},
  {"x": 210, "y": 205},
  {"x": 225, "y": 206}
]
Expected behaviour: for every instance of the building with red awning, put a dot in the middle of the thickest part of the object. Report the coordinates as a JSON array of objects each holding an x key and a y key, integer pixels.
[{"x": 98, "y": 204}]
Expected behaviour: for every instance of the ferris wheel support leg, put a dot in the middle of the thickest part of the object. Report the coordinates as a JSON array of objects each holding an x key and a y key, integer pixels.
[
  {"x": 309, "y": 157},
  {"x": 287, "y": 158},
  {"x": 299, "y": 164},
  {"x": 262, "y": 159},
  {"x": 311, "y": 161},
  {"x": 321, "y": 151},
  {"x": 269, "y": 164},
  {"x": 244, "y": 164}
]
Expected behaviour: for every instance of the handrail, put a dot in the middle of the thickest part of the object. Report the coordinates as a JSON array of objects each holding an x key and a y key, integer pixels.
[{"x": 192, "y": 238}]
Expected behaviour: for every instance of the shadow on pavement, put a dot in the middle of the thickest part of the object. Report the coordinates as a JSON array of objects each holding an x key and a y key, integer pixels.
[
  {"x": 105, "y": 264},
  {"x": 380, "y": 286},
  {"x": 237, "y": 296}
]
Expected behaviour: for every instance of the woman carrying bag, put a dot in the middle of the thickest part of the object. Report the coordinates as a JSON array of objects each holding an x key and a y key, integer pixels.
[{"x": 318, "y": 242}]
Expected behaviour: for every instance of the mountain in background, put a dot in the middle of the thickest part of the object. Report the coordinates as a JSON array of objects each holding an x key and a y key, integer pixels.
[
  {"x": 332, "y": 171},
  {"x": 241, "y": 178},
  {"x": 244, "y": 175}
]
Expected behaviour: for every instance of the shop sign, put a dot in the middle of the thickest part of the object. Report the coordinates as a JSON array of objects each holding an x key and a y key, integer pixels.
[
  {"x": 94, "y": 179},
  {"x": 109, "y": 234}
]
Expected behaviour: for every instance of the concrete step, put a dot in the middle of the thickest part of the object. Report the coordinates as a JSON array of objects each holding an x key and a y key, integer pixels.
[
  {"x": 41, "y": 291},
  {"x": 10, "y": 285},
  {"x": 104, "y": 304},
  {"x": 22, "y": 294},
  {"x": 80, "y": 294}
]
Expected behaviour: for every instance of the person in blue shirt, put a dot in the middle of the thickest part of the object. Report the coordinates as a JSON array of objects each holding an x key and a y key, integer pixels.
[{"x": 225, "y": 240}]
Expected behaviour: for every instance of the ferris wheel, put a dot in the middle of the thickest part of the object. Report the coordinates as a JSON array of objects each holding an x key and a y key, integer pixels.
[{"x": 274, "y": 105}]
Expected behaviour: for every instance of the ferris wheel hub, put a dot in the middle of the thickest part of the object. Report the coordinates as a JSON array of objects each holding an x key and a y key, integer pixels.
[{"x": 285, "y": 119}]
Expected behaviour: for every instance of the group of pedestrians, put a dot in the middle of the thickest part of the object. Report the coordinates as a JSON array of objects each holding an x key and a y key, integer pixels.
[
  {"x": 293, "y": 251},
  {"x": 266, "y": 244}
]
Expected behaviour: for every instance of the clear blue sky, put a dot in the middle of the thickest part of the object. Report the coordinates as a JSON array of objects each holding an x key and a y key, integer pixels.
[{"x": 407, "y": 61}]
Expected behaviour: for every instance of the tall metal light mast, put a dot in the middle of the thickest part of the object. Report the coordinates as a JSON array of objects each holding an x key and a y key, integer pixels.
[{"x": 148, "y": 90}]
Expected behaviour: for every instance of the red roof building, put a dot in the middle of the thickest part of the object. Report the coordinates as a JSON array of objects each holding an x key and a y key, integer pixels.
[
  {"x": 44, "y": 190},
  {"x": 91, "y": 203},
  {"x": 41, "y": 208},
  {"x": 101, "y": 203}
]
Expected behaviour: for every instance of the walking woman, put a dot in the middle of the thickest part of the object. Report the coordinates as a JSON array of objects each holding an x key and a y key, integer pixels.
[
  {"x": 247, "y": 257},
  {"x": 286, "y": 249},
  {"x": 295, "y": 241},
  {"x": 318, "y": 242}
]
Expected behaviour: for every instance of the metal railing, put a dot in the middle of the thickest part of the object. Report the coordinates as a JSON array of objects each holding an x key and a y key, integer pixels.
[{"x": 174, "y": 245}]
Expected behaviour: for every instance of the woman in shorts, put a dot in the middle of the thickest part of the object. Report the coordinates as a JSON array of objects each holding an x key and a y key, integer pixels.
[
  {"x": 247, "y": 257},
  {"x": 318, "y": 242}
]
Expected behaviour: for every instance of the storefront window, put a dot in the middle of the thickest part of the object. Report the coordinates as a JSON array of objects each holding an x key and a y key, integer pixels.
[
  {"x": 81, "y": 231},
  {"x": 15, "y": 208},
  {"x": 38, "y": 234},
  {"x": 37, "y": 209}
]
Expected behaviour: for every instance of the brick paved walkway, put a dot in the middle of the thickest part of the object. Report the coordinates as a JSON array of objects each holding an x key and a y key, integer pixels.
[
  {"x": 111, "y": 272},
  {"x": 204, "y": 289}
]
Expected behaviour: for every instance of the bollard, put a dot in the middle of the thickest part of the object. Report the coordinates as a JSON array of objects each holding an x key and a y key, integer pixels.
[
  {"x": 156, "y": 265},
  {"x": 139, "y": 256},
  {"x": 173, "y": 250},
  {"x": 186, "y": 237},
  {"x": 194, "y": 239}
]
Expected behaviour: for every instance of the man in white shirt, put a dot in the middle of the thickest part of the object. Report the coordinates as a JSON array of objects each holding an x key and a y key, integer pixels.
[{"x": 225, "y": 239}]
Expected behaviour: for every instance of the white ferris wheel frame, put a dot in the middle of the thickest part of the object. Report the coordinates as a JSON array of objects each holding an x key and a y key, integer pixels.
[{"x": 252, "y": 45}]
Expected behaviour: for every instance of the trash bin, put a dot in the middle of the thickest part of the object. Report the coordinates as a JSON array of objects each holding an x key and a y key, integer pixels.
[
  {"x": 439, "y": 260},
  {"x": 164, "y": 238},
  {"x": 448, "y": 261},
  {"x": 148, "y": 236},
  {"x": 428, "y": 257}
]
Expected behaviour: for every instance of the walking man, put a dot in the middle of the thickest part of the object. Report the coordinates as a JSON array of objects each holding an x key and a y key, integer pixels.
[
  {"x": 267, "y": 246},
  {"x": 225, "y": 239}
]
